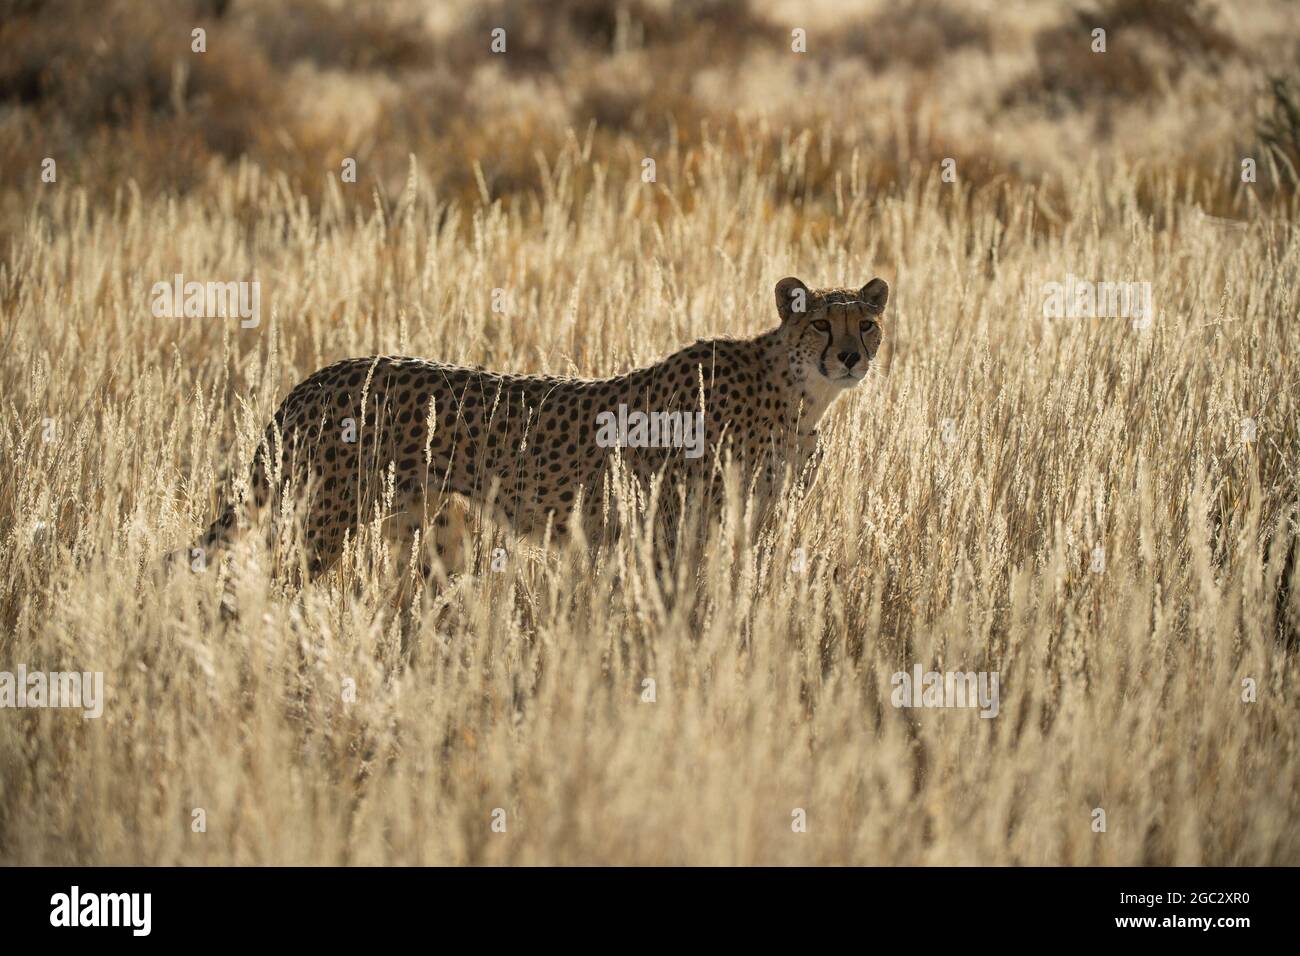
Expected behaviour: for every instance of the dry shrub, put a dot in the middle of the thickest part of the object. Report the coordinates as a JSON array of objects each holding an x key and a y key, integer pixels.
[
  {"x": 1149, "y": 43},
  {"x": 89, "y": 62},
  {"x": 347, "y": 36},
  {"x": 548, "y": 37},
  {"x": 916, "y": 34},
  {"x": 114, "y": 91}
]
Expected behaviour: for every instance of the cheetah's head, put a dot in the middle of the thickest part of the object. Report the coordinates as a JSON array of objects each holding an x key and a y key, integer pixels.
[{"x": 831, "y": 334}]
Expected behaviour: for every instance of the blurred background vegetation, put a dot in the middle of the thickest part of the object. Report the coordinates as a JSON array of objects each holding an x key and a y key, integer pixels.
[{"x": 1011, "y": 90}]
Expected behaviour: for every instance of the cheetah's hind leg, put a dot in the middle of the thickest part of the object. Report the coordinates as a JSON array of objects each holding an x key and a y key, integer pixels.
[{"x": 428, "y": 545}]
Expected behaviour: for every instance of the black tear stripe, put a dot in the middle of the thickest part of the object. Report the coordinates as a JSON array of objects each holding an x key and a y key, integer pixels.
[{"x": 864, "y": 329}]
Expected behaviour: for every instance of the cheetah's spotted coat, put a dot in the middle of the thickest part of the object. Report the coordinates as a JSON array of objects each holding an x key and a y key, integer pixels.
[{"x": 529, "y": 443}]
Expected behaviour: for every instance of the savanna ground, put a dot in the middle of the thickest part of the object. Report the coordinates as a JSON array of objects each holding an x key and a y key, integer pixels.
[{"x": 967, "y": 488}]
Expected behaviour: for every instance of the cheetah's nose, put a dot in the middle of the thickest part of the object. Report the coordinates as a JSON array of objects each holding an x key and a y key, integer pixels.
[{"x": 849, "y": 359}]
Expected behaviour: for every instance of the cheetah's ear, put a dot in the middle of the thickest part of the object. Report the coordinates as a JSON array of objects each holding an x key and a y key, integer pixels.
[
  {"x": 792, "y": 298},
  {"x": 874, "y": 295}
]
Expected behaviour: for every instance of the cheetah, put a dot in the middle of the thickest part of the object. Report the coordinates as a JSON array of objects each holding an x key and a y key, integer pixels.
[{"x": 397, "y": 437}]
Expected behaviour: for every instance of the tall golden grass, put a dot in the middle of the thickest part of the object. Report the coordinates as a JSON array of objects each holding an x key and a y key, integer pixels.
[
  {"x": 523, "y": 690},
  {"x": 1103, "y": 515}
]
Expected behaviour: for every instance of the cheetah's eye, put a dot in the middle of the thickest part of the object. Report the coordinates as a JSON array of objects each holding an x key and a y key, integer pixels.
[
  {"x": 868, "y": 327},
  {"x": 821, "y": 325}
]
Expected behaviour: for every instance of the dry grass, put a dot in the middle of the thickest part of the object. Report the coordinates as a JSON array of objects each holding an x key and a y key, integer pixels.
[{"x": 522, "y": 690}]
